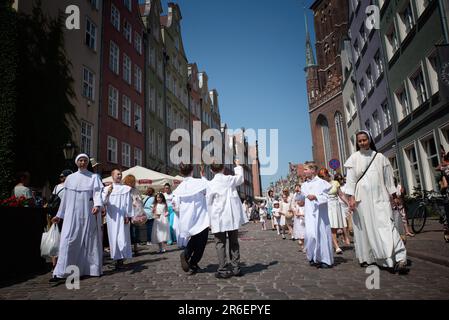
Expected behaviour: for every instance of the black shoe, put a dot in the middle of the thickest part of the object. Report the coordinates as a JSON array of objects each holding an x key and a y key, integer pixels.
[
  {"x": 401, "y": 268},
  {"x": 184, "y": 262},
  {"x": 193, "y": 270},
  {"x": 237, "y": 273},
  {"x": 56, "y": 280},
  {"x": 323, "y": 265},
  {"x": 223, "y": 275},
  {"x": 312, "y": 263}
]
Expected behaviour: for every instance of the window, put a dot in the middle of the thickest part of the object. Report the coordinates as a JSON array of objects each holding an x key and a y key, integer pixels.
[
  {"x": 160, "y": 151},
  {"x": 376, "y": 123},
  {"x": 322, "y": 122},
  {"x": 432, "y": 71},
  {"x": 152, "y": 59},
  {"x": 340, "y": 136},
  {"x": 126, "y": 155},
  {"x": 406, "y": 20},
  {"x": 95, "y": 4},
  {"x": 159, "y": 68},
  {"x": 386, "y": 114},
  {"x": 403, "y": 103},
  {"x": 152, "y": 141},
  {"x": 137, "y": 157},
  {"x": 127, "y": 4},
  {"x": 138, "y": 42},
  {"x": 126, "y": 111},
  {"x": 88, "y": 83},
  {"x": 115, "y": 17},
  {"x": 431, "y": 154},
  {"x": 363, "y": 35},
  {"x": 169, "y": 115},
  {"x": 91, "y": 35},
  {"x": 137, "y": 78},
  {"x": 419, "y": 87},
  {"x": 175, "y": 87},
  {"x": 392, "y": 43},
  {"x": 160, "y": 109},
  {"x": 394, "y": 165},
  {"x": 378, "y": 64},
  {"x": 86, "y": 137},
  {"x": 444, "y": 134},
  {"x": 114, "y": 54},
  {"x": 367, "y": 125},
  {"x": 152, "y": 99},
  {"x": 412, "y": 168},
  {"x": 356, "y": 50},
  {"x": 127, "y": 31},
  {"x": 421, "y": 5},
  {"x": 362, "y": 90},
  {"x": 113, "y": 102},
  {"x": 369, "y": 78},
  {"x": 126, "y": 68},
  {"x": 112, "y": 149},
  {"x": 138, "y": 117}
]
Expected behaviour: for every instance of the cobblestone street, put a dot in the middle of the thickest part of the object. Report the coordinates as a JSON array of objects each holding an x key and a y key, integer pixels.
[{"x": 273, "y": 269}]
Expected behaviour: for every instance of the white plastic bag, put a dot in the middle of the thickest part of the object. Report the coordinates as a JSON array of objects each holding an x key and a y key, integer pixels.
[{"x": 50, "y": 242}]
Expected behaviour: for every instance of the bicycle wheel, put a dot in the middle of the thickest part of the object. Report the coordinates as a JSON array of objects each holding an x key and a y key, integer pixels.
[{"x": 419, "y": 219}]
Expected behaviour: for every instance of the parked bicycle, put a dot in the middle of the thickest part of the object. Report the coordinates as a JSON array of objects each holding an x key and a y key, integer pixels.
[{"x": 429, "y": 202}]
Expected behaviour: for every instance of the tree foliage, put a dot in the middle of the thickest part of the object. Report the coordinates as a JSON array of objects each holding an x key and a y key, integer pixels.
[
  {"x": 44, "y": 97},
  {"x": 8, "y": 95}
]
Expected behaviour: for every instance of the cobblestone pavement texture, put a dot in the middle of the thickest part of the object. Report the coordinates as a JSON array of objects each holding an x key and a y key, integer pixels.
[{"x": 272, "y": 268}]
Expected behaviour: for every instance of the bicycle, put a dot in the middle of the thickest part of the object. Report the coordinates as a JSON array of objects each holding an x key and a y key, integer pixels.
[{"x": 428, "y": 200}]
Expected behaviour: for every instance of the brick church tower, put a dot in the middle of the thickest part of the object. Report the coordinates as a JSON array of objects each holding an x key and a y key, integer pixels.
[{"x": 324, "y": 81}]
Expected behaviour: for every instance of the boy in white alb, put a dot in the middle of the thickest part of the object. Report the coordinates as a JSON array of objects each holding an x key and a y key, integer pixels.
[{"x": 318, "y": 237}]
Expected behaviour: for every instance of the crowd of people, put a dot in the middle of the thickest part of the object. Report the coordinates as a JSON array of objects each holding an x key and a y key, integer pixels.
[
  {"x": 91, "y": 212},
  {"x": 324, "y": 214}
]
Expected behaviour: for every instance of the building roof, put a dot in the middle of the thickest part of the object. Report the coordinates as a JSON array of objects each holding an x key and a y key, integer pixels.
[
  {"x": 310, "y": 59},
  {"x": 315, "y": 4}
]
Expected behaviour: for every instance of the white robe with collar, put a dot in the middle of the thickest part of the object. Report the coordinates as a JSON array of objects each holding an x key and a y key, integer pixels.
[
  {"x": 376, "y": 239},
  {"x": 223, "y": 202},
  {"x": 118, "y": 206},
  {"x": 318, "y": 236},
  {"x": 81, "y": 236},
  {"x": 189, "y": 203}
]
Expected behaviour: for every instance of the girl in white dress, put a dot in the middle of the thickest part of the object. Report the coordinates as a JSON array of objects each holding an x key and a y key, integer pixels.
[
  {"x": 263, "y": 215},
  {"x": 278, "y": 222},
  {"x": 161, "y": 226},
  {"x": 299, "y": 226}
]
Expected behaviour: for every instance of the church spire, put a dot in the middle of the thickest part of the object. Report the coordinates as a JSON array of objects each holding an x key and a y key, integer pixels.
[{"x": 310, "y": 59}]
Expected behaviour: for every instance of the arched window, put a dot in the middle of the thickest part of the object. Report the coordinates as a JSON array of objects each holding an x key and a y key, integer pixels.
[
  {"x": 324, "y": 125},
  {"x": 340, "y": 137}
]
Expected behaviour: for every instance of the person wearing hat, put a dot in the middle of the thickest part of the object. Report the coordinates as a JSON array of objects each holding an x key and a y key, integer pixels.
[
  {"x": 59, "y": 188},
  {"x": 81, "y": 236}
]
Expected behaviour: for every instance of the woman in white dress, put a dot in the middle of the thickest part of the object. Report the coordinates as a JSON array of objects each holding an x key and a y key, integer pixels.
[
  {"x": 161, "y": 226},
  {"x": 369, "y": 185}
]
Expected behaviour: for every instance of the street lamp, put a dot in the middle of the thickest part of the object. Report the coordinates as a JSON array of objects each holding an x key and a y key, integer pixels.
[{"x": 69, "y": 152}]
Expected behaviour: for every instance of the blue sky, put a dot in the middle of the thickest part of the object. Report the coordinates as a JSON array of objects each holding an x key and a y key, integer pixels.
[{"x": 253, "y": 53}]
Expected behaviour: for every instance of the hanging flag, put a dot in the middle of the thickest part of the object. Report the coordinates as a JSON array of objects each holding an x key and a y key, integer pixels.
[{"x": 443, "y": 71}]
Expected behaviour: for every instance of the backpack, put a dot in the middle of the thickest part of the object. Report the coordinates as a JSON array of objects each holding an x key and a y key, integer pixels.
[{"x": 54, "y": 202}]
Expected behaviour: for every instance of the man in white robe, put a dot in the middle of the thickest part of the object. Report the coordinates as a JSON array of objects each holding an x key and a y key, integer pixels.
[
  {"x": 119, "y": 211},
  {"x": 189, "y": 202},
  {"x": 81, "y": 236},
  {"x": 318, "y": 236},
  {"x": 226, "y": 216},
  {"x": 376, "y": 239}
]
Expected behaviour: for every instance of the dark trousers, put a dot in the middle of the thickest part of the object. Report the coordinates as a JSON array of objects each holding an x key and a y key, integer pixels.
[
  {"x": 234, "y": 250},
  {"x": 195, "y": 247},
  {"x": 149, "y": 225}
]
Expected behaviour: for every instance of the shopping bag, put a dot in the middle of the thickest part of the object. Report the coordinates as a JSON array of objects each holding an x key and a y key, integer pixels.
[{"x": 50, "y": 242}]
